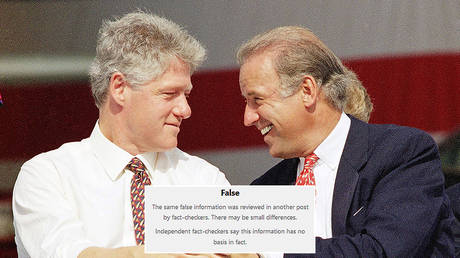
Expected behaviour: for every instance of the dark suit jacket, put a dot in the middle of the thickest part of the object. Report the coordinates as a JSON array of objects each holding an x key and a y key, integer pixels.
[
  {"x": 389, "y": 198},
  {"x": 454, "y": 195}
]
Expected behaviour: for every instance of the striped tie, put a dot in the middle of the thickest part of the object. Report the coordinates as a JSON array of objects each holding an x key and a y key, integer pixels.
[
  {"x": 140, "y": 179},
  {"x": 307, "y": 177}
]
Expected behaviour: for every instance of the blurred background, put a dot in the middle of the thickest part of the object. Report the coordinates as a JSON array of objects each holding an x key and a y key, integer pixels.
[{"x": 407, "y": 53}]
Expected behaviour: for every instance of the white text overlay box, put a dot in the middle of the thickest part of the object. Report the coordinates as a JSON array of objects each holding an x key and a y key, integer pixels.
[{"x": 229, "y": 219}]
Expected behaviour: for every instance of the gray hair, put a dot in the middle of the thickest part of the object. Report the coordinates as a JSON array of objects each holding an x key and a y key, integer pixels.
[
  {"x": 298, "y": 52},
  {"x": 140, "y": 46}
]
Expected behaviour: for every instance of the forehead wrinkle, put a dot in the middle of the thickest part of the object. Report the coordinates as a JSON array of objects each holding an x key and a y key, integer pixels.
[{"x": 174, "y": 84}]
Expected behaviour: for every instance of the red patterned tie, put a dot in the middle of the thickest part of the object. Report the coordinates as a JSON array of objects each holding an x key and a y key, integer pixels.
[
  {"x": 140, "y": 179},
  {"x": 307, "y": 177}
]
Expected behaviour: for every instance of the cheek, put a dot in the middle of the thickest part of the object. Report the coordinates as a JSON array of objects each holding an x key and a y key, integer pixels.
[
  {"x": 160, "y": 114},
  {"x": 279, "y": 114},
  {"x": 290, "y": 122},
  {"x": 155, "y": 109},
  {"x": 269, "y": 111}
]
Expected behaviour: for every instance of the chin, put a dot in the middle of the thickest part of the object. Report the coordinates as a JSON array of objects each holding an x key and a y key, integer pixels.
[
  {"x": 283, "y": 154},
  {"x": 276, "y": 153},
  {"x": 170, "y": 146},
  {"x": 165, "y": 146}
]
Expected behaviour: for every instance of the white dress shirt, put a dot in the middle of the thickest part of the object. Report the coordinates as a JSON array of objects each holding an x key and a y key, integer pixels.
[
  {"x": 325, "y": 170},
  {"x": 78, "y": 195}
]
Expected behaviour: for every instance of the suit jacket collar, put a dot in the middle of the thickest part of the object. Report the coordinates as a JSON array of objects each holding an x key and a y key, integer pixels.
[{"x": 354, "y": 157}]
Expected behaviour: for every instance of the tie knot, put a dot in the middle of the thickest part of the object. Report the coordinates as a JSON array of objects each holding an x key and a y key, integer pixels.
[
  {"x": 310, "y": 160},
  {"x": 136, "y": 166}
]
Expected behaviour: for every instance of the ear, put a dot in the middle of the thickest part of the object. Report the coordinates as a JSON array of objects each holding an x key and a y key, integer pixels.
[
  {"x": 118, "y": 88},
  {"x": 310, "y": 91}
]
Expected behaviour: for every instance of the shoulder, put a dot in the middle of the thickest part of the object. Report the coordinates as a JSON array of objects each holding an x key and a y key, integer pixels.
[
  {"x": 66, "y": 152},
  {"x": 388, "y": 141},
  {"x": 49, "y": 165},
  {"x": 393, "y": 153},
  {"x": 199, "y": 169},
  {"x": 401, "y": 142},
  {"x": 390, "y": 134},
  {"x": 178, "y": 156},
  {"x": 48, "y": 173},
  {"x": 394, "y": 133}
]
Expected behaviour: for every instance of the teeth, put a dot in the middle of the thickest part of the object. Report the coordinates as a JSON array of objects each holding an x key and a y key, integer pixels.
[{"x": 266, "y": 129}]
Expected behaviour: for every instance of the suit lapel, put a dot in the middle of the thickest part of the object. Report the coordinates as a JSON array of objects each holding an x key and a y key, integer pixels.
[
  {"x": 353, "y": 158},
  {"x": 283, "y": 173},
  {"x": 289, "y": 176}
]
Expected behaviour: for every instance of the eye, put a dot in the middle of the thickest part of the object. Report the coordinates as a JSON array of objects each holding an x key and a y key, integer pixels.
[
  {"x": 169, "y": 94},
  {"x": 258, "y": 100}
]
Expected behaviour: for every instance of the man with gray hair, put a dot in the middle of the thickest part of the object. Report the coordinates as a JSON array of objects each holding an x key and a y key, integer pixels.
[
  {"x": 379, "y": 188},
  {"x": 86, "y": 198}
]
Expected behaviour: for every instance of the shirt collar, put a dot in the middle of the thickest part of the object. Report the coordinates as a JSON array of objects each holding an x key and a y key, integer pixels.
[
  {"x": 330, "y": 150},
  {"x": 113, "y": 158}
]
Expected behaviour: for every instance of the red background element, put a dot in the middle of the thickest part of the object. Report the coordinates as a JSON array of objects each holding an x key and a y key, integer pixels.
[{"x": 419, "y": 91}]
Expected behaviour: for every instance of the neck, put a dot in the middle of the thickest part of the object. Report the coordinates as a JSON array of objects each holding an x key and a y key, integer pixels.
[
  {"x": 326, "y": 119},
  {"x": 112, "y": 128}
]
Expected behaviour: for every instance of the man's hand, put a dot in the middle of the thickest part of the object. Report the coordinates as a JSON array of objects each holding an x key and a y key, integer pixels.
[{"x": 138, "y": 251}]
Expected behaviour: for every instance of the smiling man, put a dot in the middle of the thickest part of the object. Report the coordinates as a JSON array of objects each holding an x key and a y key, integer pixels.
[
  {"x": 86, "y": 198},
  {"x": 379, "y": 188}
]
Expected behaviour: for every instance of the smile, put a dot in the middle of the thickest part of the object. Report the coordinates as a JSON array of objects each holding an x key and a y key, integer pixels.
[{"x": 266, "y": 129}]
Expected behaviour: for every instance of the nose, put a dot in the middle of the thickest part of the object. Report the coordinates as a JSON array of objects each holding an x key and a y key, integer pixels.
[
  {"x": 182, "y": 109},
  {"x": 250, "y": 116}
]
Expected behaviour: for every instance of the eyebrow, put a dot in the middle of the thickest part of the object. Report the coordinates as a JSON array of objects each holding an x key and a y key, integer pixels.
[{"x": 251, "y": 93}]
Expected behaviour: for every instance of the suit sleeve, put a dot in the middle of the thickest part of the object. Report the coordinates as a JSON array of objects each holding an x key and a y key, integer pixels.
[{"x": 407, "y": 213}]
